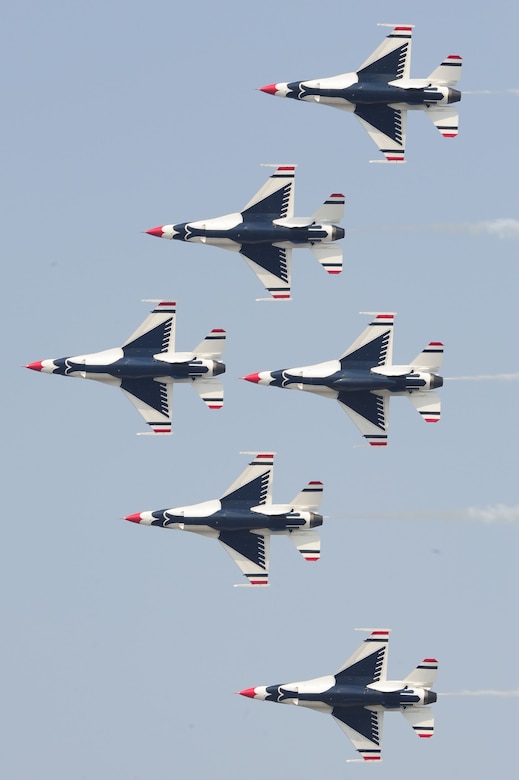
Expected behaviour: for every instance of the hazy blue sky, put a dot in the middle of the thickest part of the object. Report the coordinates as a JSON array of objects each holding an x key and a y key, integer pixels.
[{"x": 123, "y": 645}]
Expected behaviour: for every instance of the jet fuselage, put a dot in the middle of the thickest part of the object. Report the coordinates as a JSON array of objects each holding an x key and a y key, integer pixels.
[
  {"x": 345, "y": 696},
  {"x": 132, "y": 367},
  {"x": 368, "y": 92},
  {"x": 350, "y": 380},
  {"x": 232, "y": 519},
  {"x": 254, "y": 231}
]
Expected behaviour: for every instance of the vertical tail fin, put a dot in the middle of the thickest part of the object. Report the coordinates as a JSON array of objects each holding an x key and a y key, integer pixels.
[{"x": 448, "y": 73}]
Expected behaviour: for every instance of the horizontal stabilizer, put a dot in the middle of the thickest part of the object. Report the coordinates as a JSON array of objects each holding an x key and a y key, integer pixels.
[
  {"x": 448, "y": 73},
  {"x": 430, "y": 359},
  {"x": 308, "y": 543},
  {"x": 427, "y": 404},
  {"x": 330, "y": 257},
  {"x": 309, "y": 498},
  {"x": 445, "y": 120},
  {"x": 421, "y": 720},
  {"x": 210, "y": 391},
  {"x": 332, "y": 209},
  {"x": 424, "y": 676},
  {"x": 212, "y": 346}
]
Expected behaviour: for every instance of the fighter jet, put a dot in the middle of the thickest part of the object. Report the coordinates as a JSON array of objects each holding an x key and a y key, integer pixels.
[
  {"x": 147, "y": 366},
  {"x": 381, "y": 92},
  {"x": 359, "y": 693},
  {"x": 266, "y": 231},
  {"x": 244, "y": 518},
  {"x": 364, "y": 378}
]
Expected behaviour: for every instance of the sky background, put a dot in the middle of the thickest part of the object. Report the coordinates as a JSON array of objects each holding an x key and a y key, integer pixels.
[{"x": 122, "y": 645}]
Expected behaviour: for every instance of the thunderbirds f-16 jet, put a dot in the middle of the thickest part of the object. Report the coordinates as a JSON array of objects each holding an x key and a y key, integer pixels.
[
  {"x": 381, "y": 92},
  {"x": 364, "y": 378},
  {"x": 244, "y": 518},
  {"x": 359, "y": 693},
  {"x": 266, "y": 231},
  {"x": 147, "y": 366}
]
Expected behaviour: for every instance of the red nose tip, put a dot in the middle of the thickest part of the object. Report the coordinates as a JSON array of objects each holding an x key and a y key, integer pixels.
[
  {"x": 37, "y": 366},
  {"x": 252, "y": 378},
  {"x": 248, "y": 692},
  {"x": 270, "y": 89},
  {"x": 155, "y": 231},
  {"x": 134, "y": 518}
]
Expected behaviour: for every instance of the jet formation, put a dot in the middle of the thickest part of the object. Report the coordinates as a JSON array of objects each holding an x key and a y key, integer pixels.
[
  {"x": 358, "y": 695},
  {"x": 364, "y": 378},
  {"x": 265, "y": 232},
  {"x": 381, "y": 92},
  {"x": 147, "y": 366},
  {"x": 244, "y": 518}
]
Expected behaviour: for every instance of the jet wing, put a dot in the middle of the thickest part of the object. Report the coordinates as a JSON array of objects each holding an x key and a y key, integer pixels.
[
  {"x": 368, "y": 664},
  {"x": 271, "y": 264},
  {"x": 153, "y": 400},
  {"x": 386, "y": 126},
  {"x": 392, "y": 58},
  {"x": 374, "y": 345},
  {"x": 364, "y": 729},
  {"x": 254, "y": 485},
  {"x": 250, "y": 552},
  {"x": 210, "y": 391},
  {"x": 276, "y": 197},
  {"x": 157, "y": 332},
  {"x": 369, "y": 412}
]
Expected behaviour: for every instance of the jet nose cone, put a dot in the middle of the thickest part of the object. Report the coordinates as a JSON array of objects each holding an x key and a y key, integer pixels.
[
  {"x": 37, "y": 366},
  {"x": 252, "y": 378},
  {"x": 156, "y": 231},
  {"x": 270, "y": 89},
  {"x": 250, "y": 692},
  {"x": 136, "y": 518}
]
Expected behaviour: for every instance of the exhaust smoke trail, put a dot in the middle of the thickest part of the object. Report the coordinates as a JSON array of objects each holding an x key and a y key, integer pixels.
[
  {"x": 503, "y": 228},
  {"x": 493, "y": 514},
  {"x": 512, "y": 694},
  {"x": 485, "y": 377}
]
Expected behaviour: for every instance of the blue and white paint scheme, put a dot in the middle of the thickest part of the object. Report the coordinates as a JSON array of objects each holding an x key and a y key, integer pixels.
[
  {"x": 244, "y": 518},
  {"x": 381, "y": 92},
  {"x": 364, "y": 378},
  {"x": 147, "y": 366},
  {"x": 359, "y": 693},
  {"x": 265, "y": 232}
]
